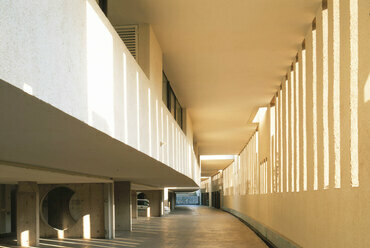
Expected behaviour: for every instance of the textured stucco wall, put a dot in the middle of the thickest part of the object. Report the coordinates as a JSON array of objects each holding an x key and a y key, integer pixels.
[
  {"x": 90, "y": 201},
  {"x": 337, "y": 215},
  {"x": 67, "y": 54},
  {"x": 123, "y": 206},
  {"x": 156, "y": 63}
]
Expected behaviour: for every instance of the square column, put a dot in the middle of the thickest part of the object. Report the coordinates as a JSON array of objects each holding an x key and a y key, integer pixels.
[
  {"x": 210, "y": 192},
  {"x": 134, "y": 204},
  {"x": 123, "y": 208},
  {"x": 28, "y": 228},
  {"x": 166, "y": 198},
  {"x": 172, "y": 199},
  {"x": 109, "y": 215}
]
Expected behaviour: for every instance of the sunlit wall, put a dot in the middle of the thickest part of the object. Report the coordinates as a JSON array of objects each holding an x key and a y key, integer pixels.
[
  {"x": 312, "y": 186},
  {"x": 85, "y": 70}
]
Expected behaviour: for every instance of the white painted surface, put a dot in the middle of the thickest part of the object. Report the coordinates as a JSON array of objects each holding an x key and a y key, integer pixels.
[
  {"x": 68, "y": 55},
  {"x": 327, "y": 212}
]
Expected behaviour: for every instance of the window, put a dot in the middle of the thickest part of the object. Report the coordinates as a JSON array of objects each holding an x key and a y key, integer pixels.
[
  {"x": 171, "y": 101},
  {"x": 178, "y": 113},
  {"x": 103, "y": 4},
  {"x": 164, "y": 89}
]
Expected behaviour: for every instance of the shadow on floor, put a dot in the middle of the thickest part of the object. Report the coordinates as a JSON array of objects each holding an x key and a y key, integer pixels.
[{"x": 186, "y": 227}]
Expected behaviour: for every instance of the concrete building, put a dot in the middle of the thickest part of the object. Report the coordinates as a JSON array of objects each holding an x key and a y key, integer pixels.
[{"x": 260, "y": 107}]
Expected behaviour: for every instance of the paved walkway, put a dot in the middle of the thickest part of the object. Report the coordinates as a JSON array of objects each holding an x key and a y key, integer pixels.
[{"x": 186, "y": 227}]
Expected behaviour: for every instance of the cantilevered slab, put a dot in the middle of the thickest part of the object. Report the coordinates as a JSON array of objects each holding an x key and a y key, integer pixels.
[{"x": 36, "y": 135}]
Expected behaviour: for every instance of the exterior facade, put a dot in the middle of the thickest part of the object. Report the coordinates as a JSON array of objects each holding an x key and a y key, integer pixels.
[{"x": 92, "y": 123}]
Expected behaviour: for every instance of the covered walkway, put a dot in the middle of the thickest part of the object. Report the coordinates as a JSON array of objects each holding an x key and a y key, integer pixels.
[{"x": 186, "y": 227}]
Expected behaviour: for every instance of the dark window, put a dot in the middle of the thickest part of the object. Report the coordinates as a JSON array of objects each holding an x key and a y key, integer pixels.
[
  {"x": 170, "y": 99},
  {"x": 165, "y": 89},
  {"x": 172, "y": 102},
  {"x": 178, "y": 113},
  {"x": 103, "y": 5}
]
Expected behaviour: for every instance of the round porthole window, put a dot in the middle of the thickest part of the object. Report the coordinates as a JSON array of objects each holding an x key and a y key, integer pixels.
[{"x": 56, "y": 210}]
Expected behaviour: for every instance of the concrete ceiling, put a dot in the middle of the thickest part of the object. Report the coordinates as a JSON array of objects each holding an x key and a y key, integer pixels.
[
  {"x": 211, "y": 167},
  {"x": 224, "y": 58}
]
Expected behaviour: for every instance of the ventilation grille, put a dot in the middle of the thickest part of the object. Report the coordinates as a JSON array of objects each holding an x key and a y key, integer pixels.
[{"x": 128, "y": 34}]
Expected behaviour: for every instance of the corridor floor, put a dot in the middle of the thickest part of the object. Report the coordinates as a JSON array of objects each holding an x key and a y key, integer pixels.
[{"x": 186, "y": 227}]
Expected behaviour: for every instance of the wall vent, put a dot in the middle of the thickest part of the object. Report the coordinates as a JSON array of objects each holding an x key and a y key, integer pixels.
[{"x": 128, "y": 34}]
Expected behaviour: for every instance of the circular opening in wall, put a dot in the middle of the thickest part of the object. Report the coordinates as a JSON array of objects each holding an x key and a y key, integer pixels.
[
  {"x": 56, "y": 210},
  {"x": 141, "y": 195}
]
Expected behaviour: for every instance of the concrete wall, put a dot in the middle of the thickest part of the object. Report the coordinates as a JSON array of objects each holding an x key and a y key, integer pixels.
[
  {"x": 156, "y": 65},
  {"x": 5, "y": 208},
  {"x": 28, "y": 224},
  {"x": 123, "y": 206},
  {"x": 217, "y": 182},
  {"x": 74, "y": 60},
  {"x": 206, "y": 185},
  {"x": 150, "y": 56},
  {"x": 87, "y": 208},
  {"x": 309, "y": 186},
  {"x": 156, "y": 203},
  {"x": 172, "y": 200},
  {"x": 134, "y": 204}
]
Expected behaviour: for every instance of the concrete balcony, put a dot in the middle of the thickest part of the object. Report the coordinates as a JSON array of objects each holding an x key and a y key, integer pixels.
[{"x": 74, "y": 101}]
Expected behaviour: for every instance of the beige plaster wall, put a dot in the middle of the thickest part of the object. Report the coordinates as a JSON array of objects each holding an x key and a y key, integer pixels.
[
  {"x": 150, "y": 56},
  {"x": 327, "y": 215},
  {"x": 156, "y": 62},
  {"x": 264, "y": 137}
]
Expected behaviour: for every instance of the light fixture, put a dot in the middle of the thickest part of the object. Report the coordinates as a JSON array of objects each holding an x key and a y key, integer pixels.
[{"x": 216, "y": 157}]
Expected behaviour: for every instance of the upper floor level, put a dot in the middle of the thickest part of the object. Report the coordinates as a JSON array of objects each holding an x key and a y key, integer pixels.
[{"x": 75, "y": 66}]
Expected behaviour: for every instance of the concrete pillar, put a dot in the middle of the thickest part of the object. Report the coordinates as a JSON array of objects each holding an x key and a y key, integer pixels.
[
  {"x": 109, "y": 215},
  {"x": 123, "y": 208},
  {"x": 165, "y": 198},
  {"x": 170, "y": 201},
  {"x": 210, "y": 192},
  {"x": 222, "y": 198},
  {"x": 28, "y": 230},
  {"x": 134, "y": 204},
  {"x": 174, "y": 200},
  {"x": 155, "y": 198},
  {"x": 5, "y": 209}
]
